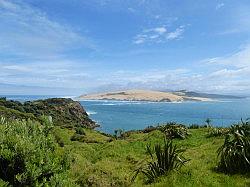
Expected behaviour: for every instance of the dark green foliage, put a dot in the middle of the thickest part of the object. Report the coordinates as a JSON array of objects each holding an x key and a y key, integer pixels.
[
  {"x": 163, "y": 159},
  {"x": 234, "y": 154},
  {"x": 59, "y": 140},
  {"x": 16, "y": 105},
  {"x": 80, "y": 130},
  {"x": 174, "y": 130},
  {"x": 208, "y": 121},
  {"x": 14, "y": 114},
  {"x": 77, "y": 137},
  {"x": 119, "y": 133},
  {"x": 29, "y": 155},
  {"x": 149, "y": 129},
  {"x": 65, "y": 112}
]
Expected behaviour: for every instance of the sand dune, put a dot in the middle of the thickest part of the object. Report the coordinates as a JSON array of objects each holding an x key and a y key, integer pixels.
[{"x": 141, "y": 95}]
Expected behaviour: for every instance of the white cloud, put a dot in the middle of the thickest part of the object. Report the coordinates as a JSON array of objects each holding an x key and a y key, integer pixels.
[
  {"x": 139, "y": 41},
  {"x": 45, "y": 73},
  {"x": 226, "y": 81},
  {"x": 175, "y": 34},
  {"x": 27, "y": 32},
  {"x": 226, "y": 74},
  {"x": 16, "y": 68},
  {"x": 219, "y": 5},
  {"x": 160, "y": 30},
  {"x": 158, "y": 35},
  {"x": 36, "y": 50},
  {"x": 239, "y": 59}
]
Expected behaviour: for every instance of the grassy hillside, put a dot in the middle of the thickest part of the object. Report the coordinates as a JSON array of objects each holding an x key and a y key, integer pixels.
[
  {"x": 104, "y": 160},
  {"x": 113, "y": 163},
  {"x": 37, "y": 153}
]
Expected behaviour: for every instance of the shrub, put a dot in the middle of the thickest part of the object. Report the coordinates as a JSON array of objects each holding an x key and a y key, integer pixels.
[
  {"x": 173, "y": 130},
  {"x": 208, "y": 122},
  {"x": 80, "y": 130},
  {"x": 235, "y": 152},
  {"x": 29, "y": 155},
  {"x": 163, "y": 159},
  {"x": 59, "y": 140},
  {"x": 217, "y": 131},
  {"x": 77, "y": 137},
  {"x": 119, "y": 133},
  {"x": 14, "y": 114}
]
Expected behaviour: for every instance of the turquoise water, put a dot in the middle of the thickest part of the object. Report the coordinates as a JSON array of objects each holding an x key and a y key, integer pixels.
[{"x": 112, "y": 115}]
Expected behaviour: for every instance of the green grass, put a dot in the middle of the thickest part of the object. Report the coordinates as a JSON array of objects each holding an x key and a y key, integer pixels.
[{"x": 113, "y": 163}]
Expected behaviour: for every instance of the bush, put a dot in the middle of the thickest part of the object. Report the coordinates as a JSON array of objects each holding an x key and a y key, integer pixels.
[
  {"x": 217, "y": 131},
  {"x": 235, "y": 152},
  {"x": 59, "y": 140},
  {"x": 77, "y": 137},
  {"x": 15, "y": 114},
  {"x": 119, "y": 133},
  {"x": 163, "y": 159},
  {"x": 29, "y": 155},
  {"x": 173, "y": 130},
  {"x": 80, "y": 130}
]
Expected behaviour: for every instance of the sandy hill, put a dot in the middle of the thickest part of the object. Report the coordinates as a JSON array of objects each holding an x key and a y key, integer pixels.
[{"x": 141, "y": 95}]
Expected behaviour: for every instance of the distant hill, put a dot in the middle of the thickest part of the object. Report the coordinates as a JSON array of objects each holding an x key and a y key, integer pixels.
[
  {"x": 143, "y": 95},
  {"x": 206, "y": 95}
]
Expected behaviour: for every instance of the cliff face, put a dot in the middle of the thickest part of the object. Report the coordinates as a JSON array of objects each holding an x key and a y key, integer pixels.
[{"x": 64, "y": 112}]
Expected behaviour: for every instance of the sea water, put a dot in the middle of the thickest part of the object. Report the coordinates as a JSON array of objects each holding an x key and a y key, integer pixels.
[{"x": 111, "y": 115}]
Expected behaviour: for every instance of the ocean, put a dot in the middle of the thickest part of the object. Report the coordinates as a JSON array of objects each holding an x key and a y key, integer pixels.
[{"x": 126, "y": 115}]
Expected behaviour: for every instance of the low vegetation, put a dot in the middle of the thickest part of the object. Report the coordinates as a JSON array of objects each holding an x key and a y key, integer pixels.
[
  {"x": 33, "y": 152},
  {"x": 164, "y": 159},
  {"x": 217, "y": 131},
  {"x": 235, "y": 152},
  {"x": 173, "y": 130},
  {"x": 29, "y": 155}
]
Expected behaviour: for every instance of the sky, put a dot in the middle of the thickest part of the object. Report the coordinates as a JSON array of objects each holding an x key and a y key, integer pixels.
[{"x": 78, "y": 46}]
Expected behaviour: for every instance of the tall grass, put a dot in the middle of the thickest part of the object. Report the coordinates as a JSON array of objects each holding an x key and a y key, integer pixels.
[
  {"x": 234, "y": 154},
  {"x": 163, "y": 159}
]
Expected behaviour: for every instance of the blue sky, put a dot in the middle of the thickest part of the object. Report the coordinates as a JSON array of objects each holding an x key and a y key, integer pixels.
[{"x": 78, "y": 46}]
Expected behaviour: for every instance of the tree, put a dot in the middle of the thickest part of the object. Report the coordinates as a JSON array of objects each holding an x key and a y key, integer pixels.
[{"x": 208, "y": 121}]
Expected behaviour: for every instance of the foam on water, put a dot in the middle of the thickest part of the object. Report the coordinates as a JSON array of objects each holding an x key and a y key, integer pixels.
[{"x": 91, "y": 112}]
